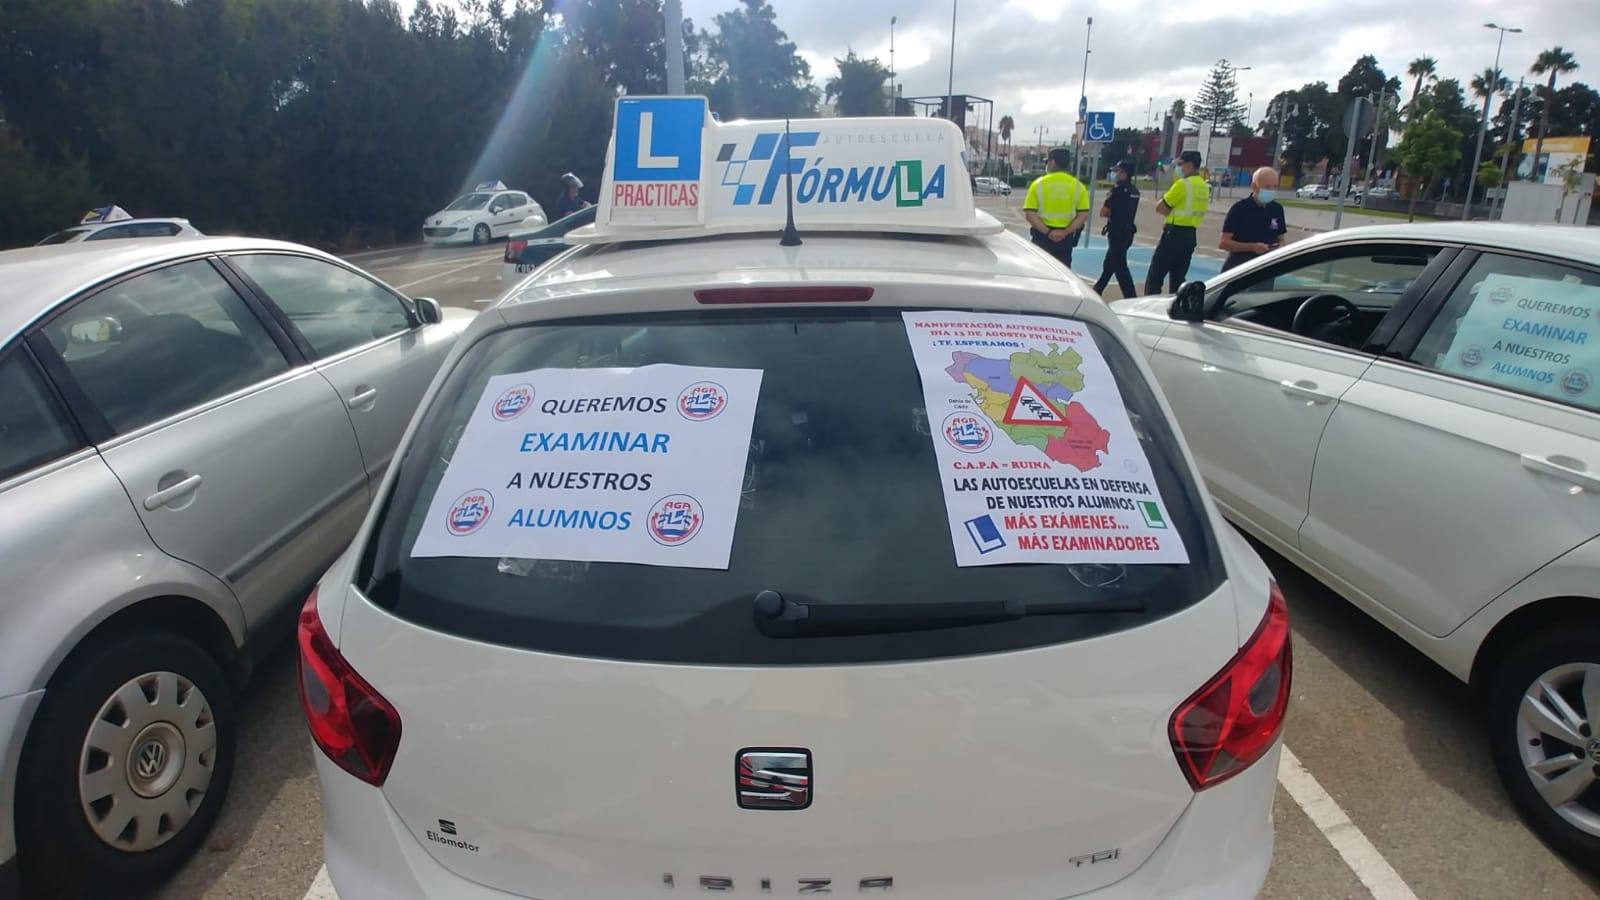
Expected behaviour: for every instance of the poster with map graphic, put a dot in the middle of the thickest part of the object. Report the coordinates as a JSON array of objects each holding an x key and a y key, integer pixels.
[{"x": 1038, "y": 460}]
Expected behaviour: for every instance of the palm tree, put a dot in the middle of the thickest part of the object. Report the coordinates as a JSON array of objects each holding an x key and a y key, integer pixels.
[
  {"x": 1007, "y": 125},
  {"x": 1552, "y": 62},
  {"x": 1423, "y": 67},
  {"x": 1178, "y": 108},
  {"x": 1487, "y": 83}
]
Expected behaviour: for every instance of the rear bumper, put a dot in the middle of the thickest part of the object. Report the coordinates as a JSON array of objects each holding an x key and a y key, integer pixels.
[{"x": 1219, "y": 848}]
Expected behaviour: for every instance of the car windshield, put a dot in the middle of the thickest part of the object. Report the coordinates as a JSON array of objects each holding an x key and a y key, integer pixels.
[
  {"x": 61, "y": 237},
  {"x": 469, "y": 201},
  {"x": 841, "y": 503}
]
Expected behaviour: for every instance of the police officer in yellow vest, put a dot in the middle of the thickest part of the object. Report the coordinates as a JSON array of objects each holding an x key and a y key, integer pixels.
[
  {"x": 1057, "y": 207},
  {"x": 1184, "y": 205}
]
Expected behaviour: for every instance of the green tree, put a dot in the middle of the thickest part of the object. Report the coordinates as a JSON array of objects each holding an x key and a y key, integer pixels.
[
  {"x": 35, "y": 191},
  {"x": 1490, "y": 176},
  {"x": 1428, "y": 147},
  {"x": 1179, "y": 111},
  {"x": 1217, "y": 104},
  {"x": 750, "y": 69},
  {"x": 1552, "y": 62},
  {"x": 858, "y": 89},
  {"x": 624, "y": 39},
  {"x": 1422, "y": 68}
]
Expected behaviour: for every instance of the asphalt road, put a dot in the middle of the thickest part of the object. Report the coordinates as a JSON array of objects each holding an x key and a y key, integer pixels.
[{"x": 1392, "y": 793}]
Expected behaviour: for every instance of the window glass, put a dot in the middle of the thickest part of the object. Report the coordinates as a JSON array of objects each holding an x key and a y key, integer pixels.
[
  {"x": 163, "y": 342},
  {"x": 334, "y": 308},
  {"x": 469, "y": 201},
  {"x": 63, "y": 236},
  {"x": 33, "y": 428},
  {"x": 841, "y": 504},
  {"x": 1522, "y": 324},
  {"x": 114, "y": 232},
  {"x": 1370, "y": 278}
]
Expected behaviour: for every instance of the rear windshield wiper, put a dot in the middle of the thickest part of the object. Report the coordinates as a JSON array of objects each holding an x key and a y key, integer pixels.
[{"x": 781, "y": 618}]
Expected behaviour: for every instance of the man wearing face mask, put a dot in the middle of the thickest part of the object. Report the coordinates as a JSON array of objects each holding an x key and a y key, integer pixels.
[{"x": 1255, "y": 224}]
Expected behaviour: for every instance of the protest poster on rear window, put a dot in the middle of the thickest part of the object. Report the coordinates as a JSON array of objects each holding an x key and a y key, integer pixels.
[
  {"x": 599, "y": 465},
  {"x": 1536, "y": 335},
  {"x": 1037, "y": 458}
]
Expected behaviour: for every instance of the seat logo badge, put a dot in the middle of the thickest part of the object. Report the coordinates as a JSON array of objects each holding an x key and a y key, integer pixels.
[{"x": 773, "y": 778}]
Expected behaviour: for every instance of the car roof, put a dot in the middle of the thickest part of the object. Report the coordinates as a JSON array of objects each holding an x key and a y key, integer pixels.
[
  {"x": 1577, "y": 243},
  {"x": 39, "y": 278},
  {"x": 572, "y": 285}
]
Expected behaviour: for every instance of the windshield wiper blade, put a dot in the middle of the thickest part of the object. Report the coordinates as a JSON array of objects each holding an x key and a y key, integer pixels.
[{"x": 781, "y": 618}]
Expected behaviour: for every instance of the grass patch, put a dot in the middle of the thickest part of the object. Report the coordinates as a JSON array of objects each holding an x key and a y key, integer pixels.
[{"x": 1360, "y": 210}]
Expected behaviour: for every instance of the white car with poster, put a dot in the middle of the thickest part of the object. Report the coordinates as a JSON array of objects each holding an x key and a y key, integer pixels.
[
  {"x": 486, "y": 212},
  {"x": 719, "y": 551},
  {"x": 1409, "y": 413}
]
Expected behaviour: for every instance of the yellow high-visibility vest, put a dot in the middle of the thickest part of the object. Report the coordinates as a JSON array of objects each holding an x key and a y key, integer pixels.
[
  {"x": 1188, "y": 198},
  {"x": 1058, "y": 198}
]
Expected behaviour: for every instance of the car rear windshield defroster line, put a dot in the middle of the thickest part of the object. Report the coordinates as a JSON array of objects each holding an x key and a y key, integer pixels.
[{"x": 840, "y": 503}]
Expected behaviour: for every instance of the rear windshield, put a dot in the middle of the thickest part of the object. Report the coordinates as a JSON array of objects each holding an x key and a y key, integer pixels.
[
  {"x": 841, "y": 503},
  {"x": 61, "y": 237}
]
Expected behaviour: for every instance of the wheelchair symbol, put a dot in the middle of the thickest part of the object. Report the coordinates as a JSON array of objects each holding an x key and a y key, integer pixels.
[{"x": 1098, "y": 130}]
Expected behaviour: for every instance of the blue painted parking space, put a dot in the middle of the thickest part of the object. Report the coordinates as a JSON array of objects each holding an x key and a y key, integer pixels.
[{"x": 1087, "y": 261}]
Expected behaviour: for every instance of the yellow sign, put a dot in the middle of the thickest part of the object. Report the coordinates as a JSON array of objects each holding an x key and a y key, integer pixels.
[{"x": 1574, "y": 145}]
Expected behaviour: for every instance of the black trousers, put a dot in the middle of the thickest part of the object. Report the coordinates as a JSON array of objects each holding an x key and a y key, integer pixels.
[
  {"x": 1061, "y": 250},
  {"x": 1116, "y": 264},
  {"x": 1171, "y": 259}
]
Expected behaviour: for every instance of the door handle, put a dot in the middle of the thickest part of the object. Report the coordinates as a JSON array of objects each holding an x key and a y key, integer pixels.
[
  {"x": 362, "y": 397},
  {"x": 1562, "y": 469},
  {"x": 1305, "y": 389},
  {"x": 168, "y": 494}
]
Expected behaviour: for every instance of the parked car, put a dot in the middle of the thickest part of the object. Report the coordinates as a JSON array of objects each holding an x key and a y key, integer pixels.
[
  {"x": 122, "y": 228},
  {"x": 1314, "y": 192},
  {"x": 480, "y": 216},
  {"x": 568, "y": 678},
  {"x": 1409, "y": 414},
  {"x": 528, "y": 250},
  {"x": 986, "y": 185},
  {"x": 190, "y": 431}
]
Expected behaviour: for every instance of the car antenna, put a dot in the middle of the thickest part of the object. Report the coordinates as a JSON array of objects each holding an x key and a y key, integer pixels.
[{"x": 791, "y": 237}]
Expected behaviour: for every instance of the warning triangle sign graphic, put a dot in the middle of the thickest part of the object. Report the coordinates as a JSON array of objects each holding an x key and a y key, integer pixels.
[{"x": 1029, "y": 407}]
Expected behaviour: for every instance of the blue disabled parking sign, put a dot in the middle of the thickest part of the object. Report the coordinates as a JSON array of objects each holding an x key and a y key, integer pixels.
[
  {"x": 658, "y": 138},
  {"x": 1099, "y": 127}
]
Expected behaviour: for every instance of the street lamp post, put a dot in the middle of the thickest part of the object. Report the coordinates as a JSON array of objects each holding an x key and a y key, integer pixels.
[
  {"x": 950, "y": 89},
  {"x": 1483, "y": 127},
  {"x": 673, "y": 19},
  {"x": 1377, "y": 126},
  {"x": 1511, "y": 137},
  {"x": 1083, "y": 97},
  {"x": 894, "y": 90}
]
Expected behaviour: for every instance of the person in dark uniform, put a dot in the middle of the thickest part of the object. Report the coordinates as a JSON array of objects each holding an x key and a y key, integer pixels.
[
  {"x": 1184, "y": 204},
  {"x": 570, "y": 202},
  {"x": 1255, "y": 225},
  {"x": 1120, "y": 208}
]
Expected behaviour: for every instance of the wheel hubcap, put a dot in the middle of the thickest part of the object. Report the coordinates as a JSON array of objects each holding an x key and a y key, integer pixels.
[
  {"x": 147, "y": 761},
  {"x": 1560, "y": 748}
]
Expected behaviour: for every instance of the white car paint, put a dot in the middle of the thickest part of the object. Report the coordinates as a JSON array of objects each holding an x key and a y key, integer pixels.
[
  {"x": 581, "y": 777},
  {"x": 501, "y": 212}
]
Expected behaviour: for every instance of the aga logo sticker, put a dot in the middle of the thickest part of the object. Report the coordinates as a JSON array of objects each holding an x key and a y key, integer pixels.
[
  {"x": 514, "y": 402},
  {"x": 702, "y": 401},
  {"x": 967, "y": 432},
  {"x": 470, "y": 511},
  {"x": 675, "y": 520}
]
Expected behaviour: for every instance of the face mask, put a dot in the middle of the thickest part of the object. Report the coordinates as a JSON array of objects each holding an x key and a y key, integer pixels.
[{"x": 1267, "y": 196}]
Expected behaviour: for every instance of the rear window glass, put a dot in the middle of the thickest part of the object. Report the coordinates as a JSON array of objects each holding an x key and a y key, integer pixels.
[{"x": 841, "y": 503}]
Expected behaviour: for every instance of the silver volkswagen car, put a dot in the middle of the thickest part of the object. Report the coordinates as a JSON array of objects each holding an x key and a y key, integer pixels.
[{"x": 189, "y": 432}]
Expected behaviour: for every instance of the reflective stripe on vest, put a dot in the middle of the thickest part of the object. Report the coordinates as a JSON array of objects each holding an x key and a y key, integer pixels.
[{"x": 1193, "y": 210}]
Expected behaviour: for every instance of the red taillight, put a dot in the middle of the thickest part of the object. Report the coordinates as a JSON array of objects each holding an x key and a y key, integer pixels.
[
  {"x": 349, "y": 720},
  {"x": 1228, "y": 724},
  {"x": 514, "y": 250},
  {"x": 807, "y": 294}
]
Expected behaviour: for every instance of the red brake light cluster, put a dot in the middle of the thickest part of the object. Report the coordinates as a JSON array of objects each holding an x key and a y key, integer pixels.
[
  {"x": 349, "y": 720},
  {"x": 805, "y": 294},
  {"x": 514, "y": 250},
  {"x": 1233, "y": 720}
]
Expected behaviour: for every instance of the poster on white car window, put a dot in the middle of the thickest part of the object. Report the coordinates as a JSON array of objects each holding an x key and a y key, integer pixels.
[
  {"x": 1536, "y": 335},
  {"x": 1038, "y": 460},
  {"x": 599, "y": 465}
]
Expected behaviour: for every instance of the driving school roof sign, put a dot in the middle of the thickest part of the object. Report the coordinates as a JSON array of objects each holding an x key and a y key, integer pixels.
[{"x": 672, "y": 171}]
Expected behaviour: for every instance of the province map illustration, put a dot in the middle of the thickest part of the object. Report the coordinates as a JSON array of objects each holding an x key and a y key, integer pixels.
[{"x": 1028, "y": 396}]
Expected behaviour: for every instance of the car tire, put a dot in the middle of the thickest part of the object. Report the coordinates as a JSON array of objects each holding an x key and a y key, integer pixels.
[
  {"x": 92, "y": 709},
  {"x": 1559, "y": 659},
  {"x": 480, "y": 234}
]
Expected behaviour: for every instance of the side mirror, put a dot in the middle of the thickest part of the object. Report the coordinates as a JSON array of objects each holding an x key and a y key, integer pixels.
[
  {"x": 429, "y": 312},
  {"x": 1190, "y": 303}
]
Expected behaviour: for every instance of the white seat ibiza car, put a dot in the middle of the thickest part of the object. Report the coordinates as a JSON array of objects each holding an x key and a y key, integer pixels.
[
  {"x": 1409, "y": 413},
  {"x": 870, "y": 564}
]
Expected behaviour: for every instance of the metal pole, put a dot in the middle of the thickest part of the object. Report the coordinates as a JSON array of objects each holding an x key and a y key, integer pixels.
[
  {"x": 673, "y": 15},
  {"x": 1283, "y": 115},
  {"x": 1505, "y": 161},
  {"x": 1377, "y": 124},
  {"x": 1083, "y": 96},
  {"x": 1483, "y": 127},
  {"x": 1349, "y": 154},
  {"x": 894, "y": 91},
  {"x": 950, "y": 89}
]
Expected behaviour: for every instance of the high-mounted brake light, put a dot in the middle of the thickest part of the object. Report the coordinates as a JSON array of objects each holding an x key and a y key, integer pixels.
[
  {"x": 1232, "y": 721},
  {"x": 514, "y": 250},
  {"x": 805, "y": 294},
  {"x": 349, "y": 720}
]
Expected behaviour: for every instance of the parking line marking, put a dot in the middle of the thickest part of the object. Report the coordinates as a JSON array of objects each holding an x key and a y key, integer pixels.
[
  {"x": 1369, "y": 866},
  {"x": 321, "y": 887},
  {"x": 469, "y": 265}
]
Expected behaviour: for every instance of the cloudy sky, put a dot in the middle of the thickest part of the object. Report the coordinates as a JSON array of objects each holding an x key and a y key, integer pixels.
[{"x": 1027, "y": 55}]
